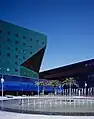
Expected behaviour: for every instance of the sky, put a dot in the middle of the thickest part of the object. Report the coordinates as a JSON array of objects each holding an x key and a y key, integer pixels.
[{"x": 68, "y": 24}]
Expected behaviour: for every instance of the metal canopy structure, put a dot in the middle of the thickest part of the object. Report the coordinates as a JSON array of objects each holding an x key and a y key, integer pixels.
[{"x": 80, "y": 68}]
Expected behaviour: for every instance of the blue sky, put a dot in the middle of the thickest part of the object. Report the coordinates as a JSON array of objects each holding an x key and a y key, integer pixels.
[{"x": 68, "y": 24}]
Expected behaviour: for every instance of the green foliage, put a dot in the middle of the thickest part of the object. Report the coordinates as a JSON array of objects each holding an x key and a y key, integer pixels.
[
  {"x": 70, "y": 82},
  {"x": 54, "y": 83},
  {"x": 42, "y": 83}
]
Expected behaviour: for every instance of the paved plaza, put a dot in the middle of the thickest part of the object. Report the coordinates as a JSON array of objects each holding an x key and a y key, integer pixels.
[{"x": 10, "y": 115}]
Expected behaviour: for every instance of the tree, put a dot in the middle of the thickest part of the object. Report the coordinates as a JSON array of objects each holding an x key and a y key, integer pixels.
[
  {"x": 70, "y": 82},
  {"x": 43, "y": 83},
  {"x": 54, "y": 83}
]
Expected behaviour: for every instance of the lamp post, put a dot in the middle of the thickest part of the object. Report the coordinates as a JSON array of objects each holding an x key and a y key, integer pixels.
[
  {"x": 2, "y": 82},
  {"x": 85, "y": 87},
  {"x": 2, "y": 79},
  {"x": 38, "y": 87}
]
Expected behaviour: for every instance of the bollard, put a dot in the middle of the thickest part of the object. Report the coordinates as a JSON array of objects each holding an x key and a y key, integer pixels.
[{"x": 82, "y": 92}]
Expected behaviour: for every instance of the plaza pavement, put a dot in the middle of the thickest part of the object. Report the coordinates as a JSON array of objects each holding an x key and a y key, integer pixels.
[{"x": 10, "y": 115}]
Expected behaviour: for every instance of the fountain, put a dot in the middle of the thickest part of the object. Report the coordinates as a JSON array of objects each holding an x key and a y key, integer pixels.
[{"x": 52, "y": 105}]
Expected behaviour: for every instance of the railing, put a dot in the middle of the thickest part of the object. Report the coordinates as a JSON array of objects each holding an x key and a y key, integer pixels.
[{"x": 79, "y": 92}]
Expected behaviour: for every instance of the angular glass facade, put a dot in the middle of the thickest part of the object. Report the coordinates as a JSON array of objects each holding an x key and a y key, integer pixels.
[{"x": 21, "y": 50}]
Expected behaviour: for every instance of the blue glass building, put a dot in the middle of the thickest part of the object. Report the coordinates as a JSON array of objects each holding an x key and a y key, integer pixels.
[{"x": 21, "y": 54}]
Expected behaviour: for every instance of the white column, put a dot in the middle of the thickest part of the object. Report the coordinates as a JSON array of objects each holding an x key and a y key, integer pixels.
[
  {"x": 88, "y": 91},
  {"x": 72, "y": 91},
  {"x": 92, "y": 91},
  {"x": 2, "y": 89},
  {"x": 65, "y": 91},
  {"x": 82, "y": 91},
  {"x": 79, "y": 93},
  {"x": 76, "y": 92}
]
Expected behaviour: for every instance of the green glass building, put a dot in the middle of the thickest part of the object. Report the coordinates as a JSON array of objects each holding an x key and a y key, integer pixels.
[{"x": 21, "y": 50}]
